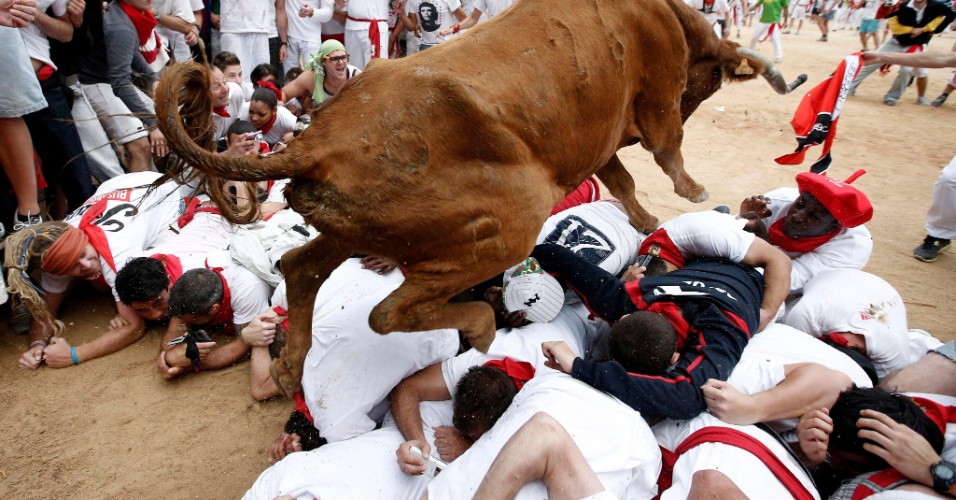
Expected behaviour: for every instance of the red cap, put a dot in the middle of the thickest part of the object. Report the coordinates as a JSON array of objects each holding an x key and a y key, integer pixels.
[{"x": 846, "y": 203}]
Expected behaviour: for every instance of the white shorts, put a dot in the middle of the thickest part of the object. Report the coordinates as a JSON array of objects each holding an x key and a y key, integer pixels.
[{"x": 117, "y": 119}]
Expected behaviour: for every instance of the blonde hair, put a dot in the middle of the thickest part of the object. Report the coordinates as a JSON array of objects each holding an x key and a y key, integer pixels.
[{"x": 26, "y": 249}]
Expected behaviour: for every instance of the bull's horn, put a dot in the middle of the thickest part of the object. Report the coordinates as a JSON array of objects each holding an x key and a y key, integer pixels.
[{"x": 772, "y": 74}]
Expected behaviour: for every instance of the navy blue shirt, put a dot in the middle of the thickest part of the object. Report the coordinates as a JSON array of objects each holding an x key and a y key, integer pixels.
[{"x": 720, "y": 307}]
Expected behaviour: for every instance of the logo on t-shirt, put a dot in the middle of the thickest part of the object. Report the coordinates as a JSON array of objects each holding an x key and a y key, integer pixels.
[
  {"x": 428, "y": 14},
  {"x": 585, "y": 240}
]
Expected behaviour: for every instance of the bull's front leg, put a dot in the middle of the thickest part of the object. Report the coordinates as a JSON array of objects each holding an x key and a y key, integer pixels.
[
  {"x": 305, "y": 269},
  {"x": 621, "y": 185},
  {"x": 671, "y": 162},
  {"x": 657, "y": 116}
]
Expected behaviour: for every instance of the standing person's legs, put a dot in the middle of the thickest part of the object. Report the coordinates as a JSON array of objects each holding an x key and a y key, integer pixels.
[
  {"x": 759, "y": 31},
  {"x": 903, "y": 80},
  {"x": 19, "y": 95},
  {"x": 274, "y": 45},
  {"x": 215, "y": 43},
  {"x": 294, "y": 52},
  {"x": 890, "y": 46},
  {"x": 357, "y": 44},
  {"x": 941, "y": 216},
  {"x": 777, "y": 45},
  {"x": 123, "y": 128},
  {"x": 100, "y": 156}
]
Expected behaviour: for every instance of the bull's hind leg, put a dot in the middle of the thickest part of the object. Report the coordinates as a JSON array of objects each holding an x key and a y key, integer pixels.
[
  {"x": 662, "y": 134},
  {"x": 421, "y": 303},
  {"x": 305, "y": 269},
  {"x": 621, "y": 185}
]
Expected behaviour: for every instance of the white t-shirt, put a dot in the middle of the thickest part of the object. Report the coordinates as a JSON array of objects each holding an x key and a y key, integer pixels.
[
  {"x": 847, "y": 300},
  {"x": 615, "y": 440},
  {"x": 182, "y": 9},
  {"x": 598, "y": 232},
  {"x": 491, "y": 8},
  {"x": 366, "y": 9},
  {"x": 524, "y": 344},
  {"x": 709, "y": 234},
  {"x": 434, "y": 16},
  {"x": 762, "y": 364},
  {"x": 308, "y": 29},
  {"x": 850, "y": 248},
  {"x": 205, "y": 234},
  {"x": 711, "y": 13},
  {"x": 747, "y": 471},
  {"x": 350, "y": 368},
  {"x": 362, "y": 467},
  {"x": 333, "y": 27},
  {"x": 38, "y": 45},
  {"x": 249, "y": 295},
  {"x": 245, "y": 16},
  {"x": 131, "y": 222},
  {"x": 276, "y": 192},
  {"x": 285, "y": 123},
  {"x": 236, "y": 100},
  {"x": 869, "y": 9}
]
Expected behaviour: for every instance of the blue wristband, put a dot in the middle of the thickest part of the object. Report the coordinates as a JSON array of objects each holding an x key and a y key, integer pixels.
[{"x": 76, "y": 360}]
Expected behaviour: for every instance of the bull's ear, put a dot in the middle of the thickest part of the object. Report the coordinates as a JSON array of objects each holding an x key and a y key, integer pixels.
[{"x": 744, "y": 69}]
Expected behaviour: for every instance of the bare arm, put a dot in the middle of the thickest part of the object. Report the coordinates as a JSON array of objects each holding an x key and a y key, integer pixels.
[
  {"x": 807, "y": 386},
  {"x": 425, "y": 385},
  {"x": 918, "y": 60},
  {"x": 41, "y": 333},
  {"x": 304, "y": 84},
  {"x": 59, "y": 355},
  {"x": 177, "y": 24},
  {"x": 282, "y": 26},
  {"x": 263, "y": 387},
  {"x": 777, "y": 268},
  {"x": 57, "y": 28}
]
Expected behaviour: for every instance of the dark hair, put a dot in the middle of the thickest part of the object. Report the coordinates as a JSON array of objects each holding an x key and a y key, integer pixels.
[
  {"x": 261, "y": 71},
  {"x": 643, "y": 342},
  {"x": 195, "y": 292},
  {"x": 901, "y": 409},
  {"x": 656, "y": 267},
  {"x": 309, "y": 436},
  {"x": 140, "y": 280},
  {"x": 240, "y": 127},
  {"x": 224, "y": 59},
  {"x": 293, "y": 73},
  {"x": 481, "y": 397},
  {"x": 265, "y": 95}
]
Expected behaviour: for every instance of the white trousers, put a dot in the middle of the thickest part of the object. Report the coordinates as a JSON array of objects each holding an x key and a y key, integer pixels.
[
  {"x": 299, "y": 49},
  {"x": 941, "y": 217},
  {"x": 252, "y": 49},
  {"x": 760, "y": 30},
  {"x": 358, "y": 44}
]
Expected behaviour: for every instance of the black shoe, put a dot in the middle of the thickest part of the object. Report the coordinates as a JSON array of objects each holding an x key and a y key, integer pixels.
[
  {"x": 940, "y": 100},
  {"x": 930, "y": 249},
  {"x": 724, "y": 209}
]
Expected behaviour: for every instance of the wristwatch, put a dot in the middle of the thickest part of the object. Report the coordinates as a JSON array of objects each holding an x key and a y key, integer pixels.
[{"x": 944, "y": 476}]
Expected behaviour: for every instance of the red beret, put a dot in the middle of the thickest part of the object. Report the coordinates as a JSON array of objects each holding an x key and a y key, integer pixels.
[{"x": 846, "y": 203}]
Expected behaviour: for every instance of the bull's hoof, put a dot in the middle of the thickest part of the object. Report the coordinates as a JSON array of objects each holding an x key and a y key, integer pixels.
[
  {"x": 647, "y": 225},
  {"x": 285, "y": 377},
  {"x": 699, "y": 198},
  {"x": 482, "y": 342}
]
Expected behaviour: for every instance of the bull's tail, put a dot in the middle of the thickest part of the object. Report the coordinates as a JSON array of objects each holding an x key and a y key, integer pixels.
[{"x": 189, "y": 82}]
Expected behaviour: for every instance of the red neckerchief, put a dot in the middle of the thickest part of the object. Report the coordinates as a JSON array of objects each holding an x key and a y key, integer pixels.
[
  {"x": 174, "y": 268},
  {"x": 222, "y": 112},
  {"x": 144, "y": 22},
  {"x": 939, "y": 414},
  {"x": 669, "y": 310},
  {"x": 193, "y": 206},
  {"x": 268, "y": 127},
  {"x": 737, "y": 439},
  {"x": 666, "y": 249},
  {"x": 799, "y": 245},
  {"x": 519, "y": 371},
  {"x": 301, "y": 407},
  {"x": 225, "y": 316},
  {"x": 95, "y": 233}
]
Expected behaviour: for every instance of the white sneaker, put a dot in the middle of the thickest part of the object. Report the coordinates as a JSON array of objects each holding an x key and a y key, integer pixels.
[
  {"x": 922, "y": 101},
  {"x": 21, "y": 221}
]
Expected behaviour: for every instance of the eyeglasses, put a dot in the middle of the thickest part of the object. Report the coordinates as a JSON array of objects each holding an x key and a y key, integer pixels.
[{"x": 337, "y": 58}]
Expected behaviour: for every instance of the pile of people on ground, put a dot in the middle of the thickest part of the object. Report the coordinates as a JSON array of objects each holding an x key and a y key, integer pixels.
[{"x": 723, "y": 353}]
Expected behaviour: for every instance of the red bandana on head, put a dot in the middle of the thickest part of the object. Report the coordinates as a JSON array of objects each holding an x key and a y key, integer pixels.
[{"x": 519, "y": 371}]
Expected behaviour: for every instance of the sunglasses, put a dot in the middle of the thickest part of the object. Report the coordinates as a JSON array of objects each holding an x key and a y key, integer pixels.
[{"x": 337, "y": 58}]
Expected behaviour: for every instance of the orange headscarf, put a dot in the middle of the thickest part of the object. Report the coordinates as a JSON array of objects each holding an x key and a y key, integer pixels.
[{"x": 65, "y": 252}]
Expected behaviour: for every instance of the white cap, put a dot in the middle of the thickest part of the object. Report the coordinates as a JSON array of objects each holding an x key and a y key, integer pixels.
[{"x": 527, "y": 287}]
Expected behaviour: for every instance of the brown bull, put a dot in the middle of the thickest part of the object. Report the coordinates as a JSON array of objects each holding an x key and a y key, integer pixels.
[{"x": 449, "y": 161}]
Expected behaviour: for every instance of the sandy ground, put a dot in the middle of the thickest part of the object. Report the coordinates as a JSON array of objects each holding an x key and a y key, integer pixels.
[{"x": 113, "y": 428}]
